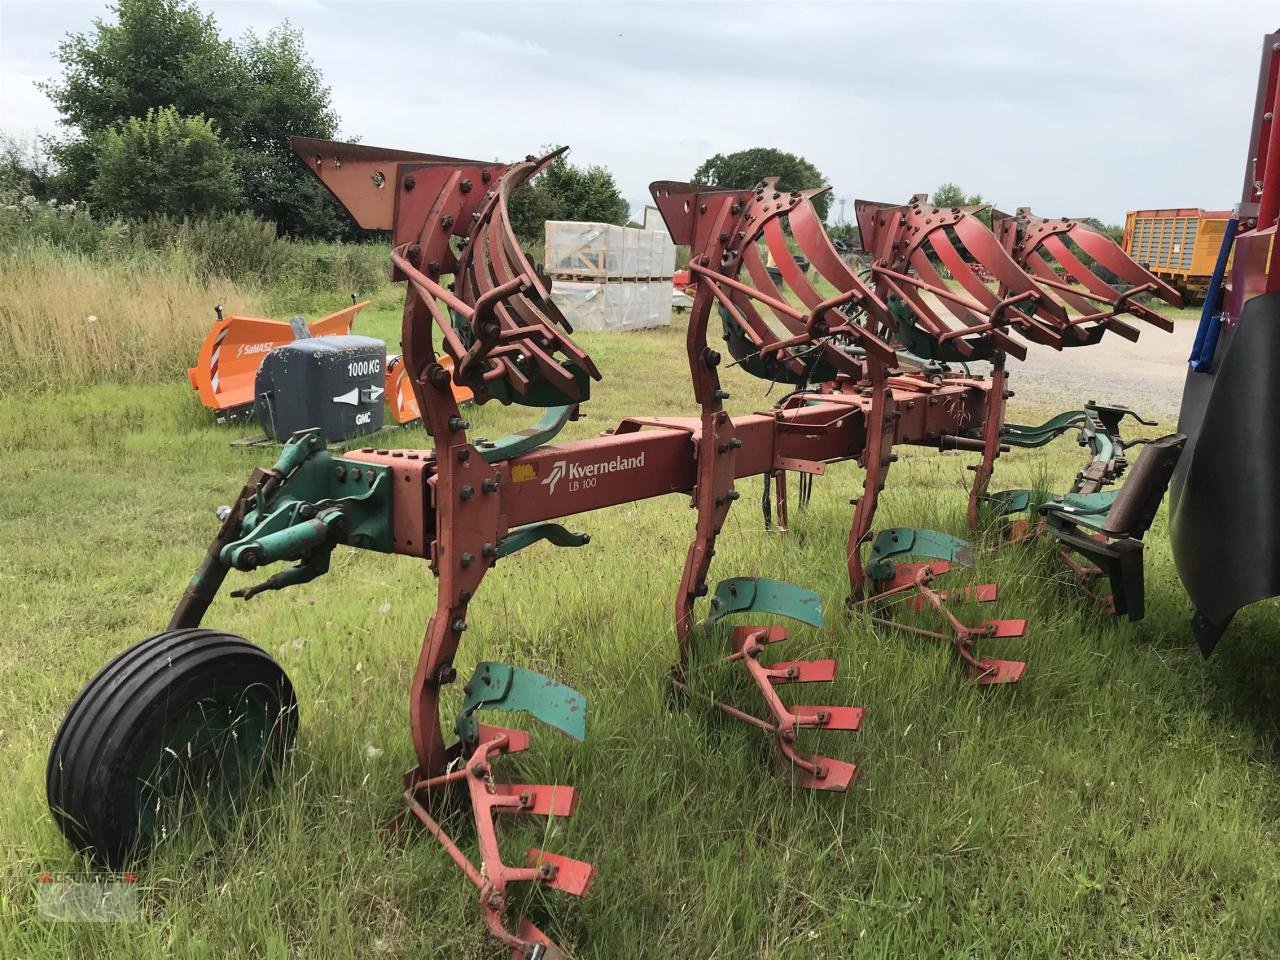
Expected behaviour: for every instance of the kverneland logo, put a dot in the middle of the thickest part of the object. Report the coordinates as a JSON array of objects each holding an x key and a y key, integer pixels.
[{"x": 580, "y": 472}]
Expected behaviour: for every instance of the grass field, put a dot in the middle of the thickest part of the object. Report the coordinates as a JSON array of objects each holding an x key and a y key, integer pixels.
[{"x": 1122, "y": 801}]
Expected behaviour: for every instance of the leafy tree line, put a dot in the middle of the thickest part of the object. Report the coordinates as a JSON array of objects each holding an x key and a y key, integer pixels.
[
  {"x": 745, "y": 168},
  {"x": 164, "y": 116}
]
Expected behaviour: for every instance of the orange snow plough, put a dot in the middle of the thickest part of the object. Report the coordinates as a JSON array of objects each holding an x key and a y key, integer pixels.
[{"x": 232, "y": 352}]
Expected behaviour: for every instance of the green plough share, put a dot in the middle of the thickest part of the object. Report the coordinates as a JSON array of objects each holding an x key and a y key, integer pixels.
[
  {"x": 1085, "y": 509},
  {"x": 1004, "y": 503},
  {"x": 500, "y": 686},
  {"x": 762, "y": 595},
  {"x": 900, "y": 542}
]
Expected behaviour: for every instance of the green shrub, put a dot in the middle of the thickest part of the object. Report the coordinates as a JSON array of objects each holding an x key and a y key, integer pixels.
[
  {"x": 163, "y": 163},
  {"x": 25, "y": 221},
  {"x": 334, "y": 267},
  {"x": 236, "y": 245},
  {"x": 228, "y": 245}
]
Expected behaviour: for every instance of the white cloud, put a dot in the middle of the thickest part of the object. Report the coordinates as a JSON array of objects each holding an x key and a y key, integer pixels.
[{"x": 502, "y": 44}]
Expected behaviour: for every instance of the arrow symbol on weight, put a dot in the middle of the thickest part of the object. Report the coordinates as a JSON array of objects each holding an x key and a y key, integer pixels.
[{"x": 352, "y": 397}]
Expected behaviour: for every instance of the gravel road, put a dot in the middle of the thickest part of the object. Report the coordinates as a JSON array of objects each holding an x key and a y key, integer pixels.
[{"x": 1146, "y": 375}]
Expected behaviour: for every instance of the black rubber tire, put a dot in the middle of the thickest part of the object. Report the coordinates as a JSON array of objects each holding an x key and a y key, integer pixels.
[{"x": 152, "y": 703}]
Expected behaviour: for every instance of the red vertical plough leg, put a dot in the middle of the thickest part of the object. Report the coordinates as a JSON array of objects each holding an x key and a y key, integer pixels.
[
  {"x": 468, "y": 280},
  {"x": 877, "y": 455},
  {"x": 722, "y": 228},
  {"x": 997, "y": 398}
]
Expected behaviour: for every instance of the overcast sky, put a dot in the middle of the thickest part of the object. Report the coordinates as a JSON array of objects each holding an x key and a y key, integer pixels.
[{"x": 1083, "y": 109}]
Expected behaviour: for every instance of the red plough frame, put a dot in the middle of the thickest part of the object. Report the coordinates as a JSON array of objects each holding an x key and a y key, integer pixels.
[{"x": 867, "y": 356}]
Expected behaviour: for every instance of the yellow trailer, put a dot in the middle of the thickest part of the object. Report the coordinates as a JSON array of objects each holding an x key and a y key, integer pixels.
[{"x": 1177, "y": 244}]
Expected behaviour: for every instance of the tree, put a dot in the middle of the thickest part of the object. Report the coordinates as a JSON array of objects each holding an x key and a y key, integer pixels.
[
  {"x": 567, "y": 192},
  {"x": 163, "y": 164},
  {"x": 528, "y": 209},
  {"x": 584, "y": 193},
  {"x": 285, "y": 96},
  {"x": 1112, "y": 230},
  {"x": 950, "y": 194},
  {"x": 25, "y": 169},
  {"x": 166, "y": 53},
  {"x": 745, "y": 168},
  {"x": 157, "y": 53}
]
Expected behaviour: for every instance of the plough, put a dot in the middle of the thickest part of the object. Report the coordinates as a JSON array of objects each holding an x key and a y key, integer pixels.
[{"x": 874, "y": 359}]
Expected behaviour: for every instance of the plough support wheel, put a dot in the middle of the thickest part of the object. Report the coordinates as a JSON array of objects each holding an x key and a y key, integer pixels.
[{"x": 184, "y": 713}]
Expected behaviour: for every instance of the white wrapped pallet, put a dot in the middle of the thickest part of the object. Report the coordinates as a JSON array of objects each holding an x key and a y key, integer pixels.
[
  {"x": 581, "y": 302},
  {"x": 576, "y": 249},
  {"x": 659, "y": 292},
  {"x": 618, "y": 301},
  {"x": 644, "y": 254},
  {"x": 664, "y": 260},
  {"x": 603, "y": 251},
  {"x": 622, "y": 256},
  {"x": 616, "y": 305},
  {"x": 663, "y": 265},
  {"x": 640, "y": 306}
]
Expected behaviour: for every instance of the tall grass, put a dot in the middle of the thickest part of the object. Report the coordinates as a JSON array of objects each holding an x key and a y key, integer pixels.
[
  {"x": 86, "y": 302},
  {"x": 289, "y": 271},
  {"x": 67, "y": 318},
  {"x": 1118, "y": 803}
]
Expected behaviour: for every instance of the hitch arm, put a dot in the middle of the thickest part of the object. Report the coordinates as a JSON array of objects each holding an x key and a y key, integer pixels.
[
  {"x": 300, "y": 509},
  {"x": 313, "y": 565}
]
